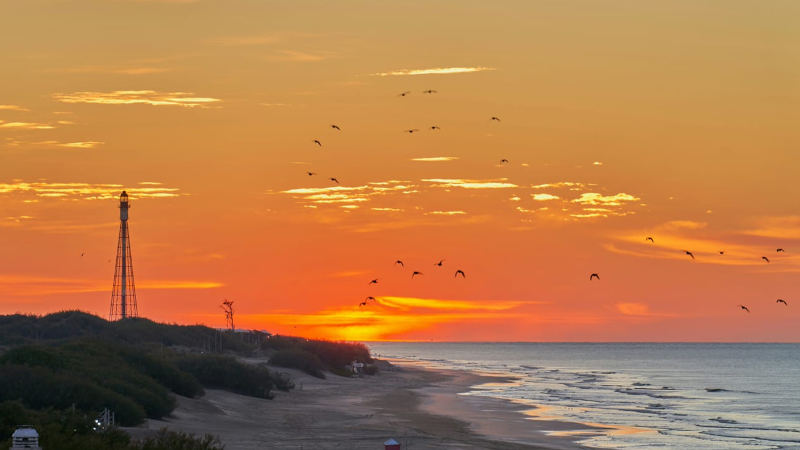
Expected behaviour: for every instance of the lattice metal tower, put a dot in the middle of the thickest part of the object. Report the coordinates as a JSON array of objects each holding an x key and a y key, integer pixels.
[{"x": 123, "y": 295}]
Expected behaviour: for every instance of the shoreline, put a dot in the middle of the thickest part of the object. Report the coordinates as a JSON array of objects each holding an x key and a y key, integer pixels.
[{"x": 421, "y": 407}]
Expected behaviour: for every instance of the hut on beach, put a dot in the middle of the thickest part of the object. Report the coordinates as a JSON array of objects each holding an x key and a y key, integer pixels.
[{"x": 26, "y": 437}]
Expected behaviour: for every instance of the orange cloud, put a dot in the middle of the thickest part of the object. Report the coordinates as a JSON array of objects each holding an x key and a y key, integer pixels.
[
  {"x": 144, "y": 97},
  {"x": 433, "y": 71}
]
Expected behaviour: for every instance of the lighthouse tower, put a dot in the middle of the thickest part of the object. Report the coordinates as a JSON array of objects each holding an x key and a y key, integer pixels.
[{"x": 123, "y": 295}]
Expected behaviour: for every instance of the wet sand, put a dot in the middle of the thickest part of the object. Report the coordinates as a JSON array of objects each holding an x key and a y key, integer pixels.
[{"x": 419, "y": 407}]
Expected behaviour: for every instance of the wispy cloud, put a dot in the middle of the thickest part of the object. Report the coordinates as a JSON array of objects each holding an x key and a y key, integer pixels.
[
  {"x": 544, "y": 197},
  {"x": 640, "y": 310},
  {"x": 593, "y": 198},
  {"x": 12, "y": 108},
  {"x": 300, "y": 56},
  {"x": 435, "y": 158},
  {"x": 26, "y": 125},
  {"x": 433, "y": 71},
  {"x": 446, "y": 213},
  {"x": 119, "y": 70},
  {"x": 79, "y": 144},
  {"x": 347, "y": 194},
  {"x": 143, "y": 97},
  {"x": 29, "y": 285},
  {"x": 83, "y": 191},
  {"x": 500, "y": 183}
]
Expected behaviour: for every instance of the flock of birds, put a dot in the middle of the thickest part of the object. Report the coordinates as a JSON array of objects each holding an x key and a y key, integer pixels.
[
  {"x": 338, "y": 128},
  {"x": 460, "y": 272},
  {"x": 415, "y": 273},
  {"x": 721, "y": 252}
]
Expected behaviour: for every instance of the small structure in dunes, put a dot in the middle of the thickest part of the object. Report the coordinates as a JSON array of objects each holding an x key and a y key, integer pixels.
[
  {"x": 391, "y": 444},
  {"x": 26, "y": 437}
]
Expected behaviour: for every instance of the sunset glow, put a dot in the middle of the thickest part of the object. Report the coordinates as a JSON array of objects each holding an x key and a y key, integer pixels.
[{"x": 284, "y": 156}]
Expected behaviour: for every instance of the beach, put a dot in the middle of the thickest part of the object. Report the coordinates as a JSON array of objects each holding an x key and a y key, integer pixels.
[{"x": 418, "y": 406}]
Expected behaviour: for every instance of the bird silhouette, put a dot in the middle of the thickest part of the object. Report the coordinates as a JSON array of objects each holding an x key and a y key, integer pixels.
[
  {"x": 311, "y": 174},
  {"x": 779, "y": 250},
  {"x": 459, "y": 272},
  {"x": 364, "y": 303},
  {"x": 689, "y": 253},
  {"x": 316, "y": 141},
  {"x": 83, "y": 253},
  {"x": 780, "y": 300},
  {"x": 722, "y": 252},
  {"x": 429, "y": 91},
  {"x": 744, "y": 308},
  {"x": 439, "y": 263},
  {"x": 416, "y": 273},
  {"x": 375, "y": 281},
  {"x": 495, "y": 118},
  {"x": 435, "y": 127},
  {"x": 594, "y": 275},
  {"x": 765, "y": 258},
  {"x": 412, "y": 131},
  {"x": 403, "y": 94},
  {"x": 334, "y": 180},
  {"x": 336, "y": 127},
  {"x": 650, "y": 238},
  {"x": 400, "y": 263},
  {"x": 370, "y": 298},
  {"x": 503, "y": 161}
]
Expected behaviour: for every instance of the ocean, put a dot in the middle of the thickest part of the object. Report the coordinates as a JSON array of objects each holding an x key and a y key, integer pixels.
[{"x": 665, "y": 395}]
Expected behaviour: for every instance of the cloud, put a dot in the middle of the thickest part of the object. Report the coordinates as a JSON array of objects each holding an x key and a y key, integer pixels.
[
  {"x": 407, "y": 303},
  {"x": 12, "y": 108},
  {"x": 593, "y": 198},
  {"x": 387, "y": 209},
  {"x": 785, "y": 227},
  {"x": 31, "y": 285},
  {"x": 83, "y": 191},
  {"x": 26, "y": 125},
  {"x": 347, "y": 194},
  {"x": 544, "y": 197},
  {"x": 120, "y": 70},
  {"x": 470, "y": 184},
  {"x": 144, "y": 97},
  {"x": 573, "y": 185},
  {"x": 435, "y": 158},
  {"x": 445, "y": 213},
  {"x": 79, "y": 144},
  {"x": 433, "y": 71},
  {"x": 597, "y": 163}
]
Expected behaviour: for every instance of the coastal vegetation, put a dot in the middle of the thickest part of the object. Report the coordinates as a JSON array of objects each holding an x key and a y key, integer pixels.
[{"x": 59, "y": 371}]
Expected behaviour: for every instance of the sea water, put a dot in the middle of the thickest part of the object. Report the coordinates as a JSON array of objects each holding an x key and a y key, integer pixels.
[{"x": 665, "y": 395}]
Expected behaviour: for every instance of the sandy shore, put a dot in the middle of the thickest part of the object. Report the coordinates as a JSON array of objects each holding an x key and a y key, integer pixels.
[{"x": 418, "y": 407}]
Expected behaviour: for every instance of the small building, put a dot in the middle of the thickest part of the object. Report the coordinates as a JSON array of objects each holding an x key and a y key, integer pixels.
[
  {"x": 25, "y": 437},
  {"x": 391, "y": 444}
]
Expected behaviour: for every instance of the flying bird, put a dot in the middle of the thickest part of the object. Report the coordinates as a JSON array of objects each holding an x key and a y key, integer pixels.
[
  {"x": 779, "y": 250},
  {"x": 650, "y": 238},
  {"x": 400, "y": 263},
  {"x": 403, "y": 94},
  {"x": 594, "y": 275},
  {"x": 689, "y": 253},
  {"x": 722, "y": 252},
  {"x": 429, "y": 91},
  {"x": 83, "y": 253},
  {"x": 495, "y": 118},
  {"x": 503, "y": 161},
  {"x": 334, "y": 180},
  {"x": 780, "y": 300},
  {"x": 459, "y": 272},
  {"x": 364, "y": 303},
  {"x": 311, "y": 174},
  {"x": 316, "y": 141},
  {"x": 765, "y": 258},
  {"x": 375, "y": 281},
  {"x": 416, "y": 273},
  {"x": 439, "y": 263},
  {"x": 336, "y": 127},
  {"x": 370, "y": 298},
  {"x": 411, "y": 131},
  {"x": 744, "y": 308},
  {"x": 435, "y": 127}
]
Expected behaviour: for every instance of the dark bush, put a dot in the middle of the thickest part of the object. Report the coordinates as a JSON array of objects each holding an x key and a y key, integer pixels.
[
  {"x": 225, "y": 372},
  {"x": 172, "y": 440},
  {"x": 298, "y": 359}
]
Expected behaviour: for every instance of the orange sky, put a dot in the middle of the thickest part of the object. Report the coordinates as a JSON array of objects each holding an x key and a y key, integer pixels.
[{"x": 619, "y": 120}]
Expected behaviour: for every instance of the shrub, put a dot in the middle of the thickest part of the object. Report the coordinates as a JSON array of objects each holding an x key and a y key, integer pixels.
[
  {"x": 298, "y": 359},
  {"x": 225, "y": 372}
]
